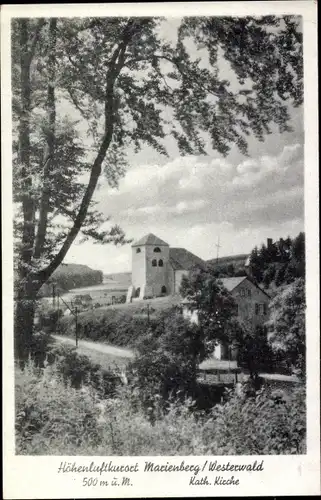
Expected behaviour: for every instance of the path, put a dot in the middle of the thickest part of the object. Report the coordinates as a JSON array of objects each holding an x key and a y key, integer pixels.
[{"x": 98, "y": 346}]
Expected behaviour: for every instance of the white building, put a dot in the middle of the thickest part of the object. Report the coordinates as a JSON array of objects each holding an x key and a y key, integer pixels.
[{"x": 157, "y": 269}]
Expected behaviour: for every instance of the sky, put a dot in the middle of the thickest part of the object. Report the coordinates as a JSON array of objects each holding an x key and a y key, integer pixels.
[{"x": 196, "y": 201}]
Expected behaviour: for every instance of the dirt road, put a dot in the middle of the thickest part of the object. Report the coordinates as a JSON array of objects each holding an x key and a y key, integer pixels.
[{"x": 99, "y": 347}]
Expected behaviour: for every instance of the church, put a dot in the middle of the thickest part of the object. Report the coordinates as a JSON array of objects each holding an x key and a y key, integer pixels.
[{"x": 158, "y": 269}]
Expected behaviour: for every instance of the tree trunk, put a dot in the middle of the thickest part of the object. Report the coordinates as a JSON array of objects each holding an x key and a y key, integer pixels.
[{"x": 25, "y": 306}]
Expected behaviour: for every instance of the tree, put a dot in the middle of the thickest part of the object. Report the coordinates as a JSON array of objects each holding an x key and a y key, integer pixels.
[
  {"x": 254, "y": 352},
  {"x": 287, "y": 325},
  {"x": 215, "y": 309},
  {"x": 130, "y": 87},
  {"x": 166, "y": 366}
]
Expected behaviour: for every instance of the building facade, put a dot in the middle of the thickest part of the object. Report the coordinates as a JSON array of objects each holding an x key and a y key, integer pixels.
[
  {"x": 252, "y": 308},
  {"x": 157, "y": 269}
]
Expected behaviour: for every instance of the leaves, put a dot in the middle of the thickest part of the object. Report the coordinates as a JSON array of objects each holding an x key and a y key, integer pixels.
[{"x": 287, "y": 325}]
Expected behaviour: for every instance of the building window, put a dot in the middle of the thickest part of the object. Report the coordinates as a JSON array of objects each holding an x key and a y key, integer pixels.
[
  {"x": 265, "y": 309},
  {"x": 242, "y": 292},
  {"x": 137, "y": 293},
  {"x": 160, "y": 263},
  {"x": 236, "y": 309},
  {"x": 164, "y": 289},
  {"x": 154, "y": 263},
  {"x": 256, "y": 308},
  {"x": 249, "y": 293},
  {"x": 157, "y": 250},
  {"x": 138, "y": 250}
]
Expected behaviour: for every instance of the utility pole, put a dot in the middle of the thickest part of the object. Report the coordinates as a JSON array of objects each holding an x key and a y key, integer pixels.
[
  {"x": 76, "y": 325},
  {"x": 148, "y": 313},
  {"x": 218, "y": 246}
]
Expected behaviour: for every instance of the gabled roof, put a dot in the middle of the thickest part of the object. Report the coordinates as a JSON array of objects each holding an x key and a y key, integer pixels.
[
  {"x": 231, "y": 283},
  {"x": 182, "y": 259},
  {"x": 150, "y": 239}
]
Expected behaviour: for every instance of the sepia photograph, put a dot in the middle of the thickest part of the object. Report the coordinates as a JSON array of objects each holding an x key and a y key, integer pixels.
[{"x": 159, "y": 237}]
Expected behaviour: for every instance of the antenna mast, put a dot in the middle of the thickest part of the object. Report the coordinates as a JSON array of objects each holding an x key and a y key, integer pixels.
[{"x": 218, "y": 246}]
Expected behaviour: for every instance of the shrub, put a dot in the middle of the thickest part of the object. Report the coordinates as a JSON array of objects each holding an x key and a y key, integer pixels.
[
  {"x": 76, "y": 370},
  {"x": 287, "y": 326},
  {"x": 113, "y": 326},
  {"x": 270, "y": 422},
  {"x": 41, "y": 344},
  {"x": 49, "y": 412},
  {"x": 166, "y": 366},
  {"x": 54, "y": 418}
]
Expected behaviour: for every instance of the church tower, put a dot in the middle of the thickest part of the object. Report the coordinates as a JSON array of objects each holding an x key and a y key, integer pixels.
[{"x": 150, "y": 268}]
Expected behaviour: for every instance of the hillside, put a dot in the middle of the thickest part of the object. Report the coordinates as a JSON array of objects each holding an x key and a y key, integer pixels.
[
  {"x": 238, "y": 261},
  {"x": 121, "y": 278},
  {"x": 69, "y": 276}
]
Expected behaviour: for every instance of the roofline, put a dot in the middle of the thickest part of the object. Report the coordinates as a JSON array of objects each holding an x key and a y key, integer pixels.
[
  {"x": 150, "y": 244},
  {"x": 231, "y": 277},
  {"x": 257, "y": 286},
  {"x": 253, "y": 283}
]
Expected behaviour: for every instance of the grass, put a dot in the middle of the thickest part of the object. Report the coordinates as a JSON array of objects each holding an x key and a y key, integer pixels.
[
  {"x": 53, "y": 418},
  {"x": 105, "y": 360},
  {"x": 158, "y": 304}
]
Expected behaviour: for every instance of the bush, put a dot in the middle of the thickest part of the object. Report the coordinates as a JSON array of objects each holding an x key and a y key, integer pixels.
[
  {"x": 167, "y": 361},
  {"x": 41, "y": 344},
  {"x": 76, "y": 370},
  {"x": 53, "y": 418},
  {"x": 49, "y": 412},
  {"x": 114, "y": 326},
  {"x": 268, "y": 423}
]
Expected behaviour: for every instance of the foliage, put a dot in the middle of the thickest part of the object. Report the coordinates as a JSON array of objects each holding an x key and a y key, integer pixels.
[
  {"x": 52, "y": 419},
  {"x": 269, "y": 423},
  {"x": 48, "y": 411},
  {"x": 119, "y": 75},
  {"x": 69, "y": 276},
  {"x": 229, "y": 266},
  {"x": 254, "y": 352},
  {"x": 167, "y": 360},
  {"x": 215, "y": 308},
  {"x": 109, "y": 325},
  {"x": 280, "y": 262},
  {"x": 287, "y": 325}
]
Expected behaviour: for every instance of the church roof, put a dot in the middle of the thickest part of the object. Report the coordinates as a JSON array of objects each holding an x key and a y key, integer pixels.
[
  {"x": 182, "y": 259},
  {"x": 150, "y": 239}
]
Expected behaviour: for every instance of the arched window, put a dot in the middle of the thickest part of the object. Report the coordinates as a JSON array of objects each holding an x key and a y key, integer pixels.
[
  {"x": 160, "y": 263},
  {"x": 164, "y": 289},
  {"x": 154, "y": 263},
  {"x": 138, "y": 250},
  {"x": 157, "y": 250}
]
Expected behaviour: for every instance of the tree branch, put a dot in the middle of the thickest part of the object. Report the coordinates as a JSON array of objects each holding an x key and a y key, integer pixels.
[
  {"x": 117, "y": 62},
  {"x": 51, "y": 106}
]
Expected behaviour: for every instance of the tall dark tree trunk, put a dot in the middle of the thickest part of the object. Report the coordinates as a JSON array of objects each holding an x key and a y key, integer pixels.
[
  {"x": 27, "y": 288},
  {"x": 25, "y": 306}
]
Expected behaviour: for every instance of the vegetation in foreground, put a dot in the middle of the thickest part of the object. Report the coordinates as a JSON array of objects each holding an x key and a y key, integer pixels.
[
  {"x": 54, "y": 417},
  {"x": 65, "y": 404}
]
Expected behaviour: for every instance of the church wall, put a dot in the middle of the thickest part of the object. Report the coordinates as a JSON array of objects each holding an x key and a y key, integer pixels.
[
  {"x": 157, "y": 277},
  {"x": 138, "y": 267}
]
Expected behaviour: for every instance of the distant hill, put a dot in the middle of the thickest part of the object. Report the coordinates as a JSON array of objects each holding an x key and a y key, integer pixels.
[
  {"x": 237, "y": 261},
  {"x": 69, "y": 276},
  {"x": 122, "y": 278}
]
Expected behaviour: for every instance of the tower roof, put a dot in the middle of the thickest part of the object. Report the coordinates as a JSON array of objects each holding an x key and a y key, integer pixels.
[{"x": 150, "y": 239}]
